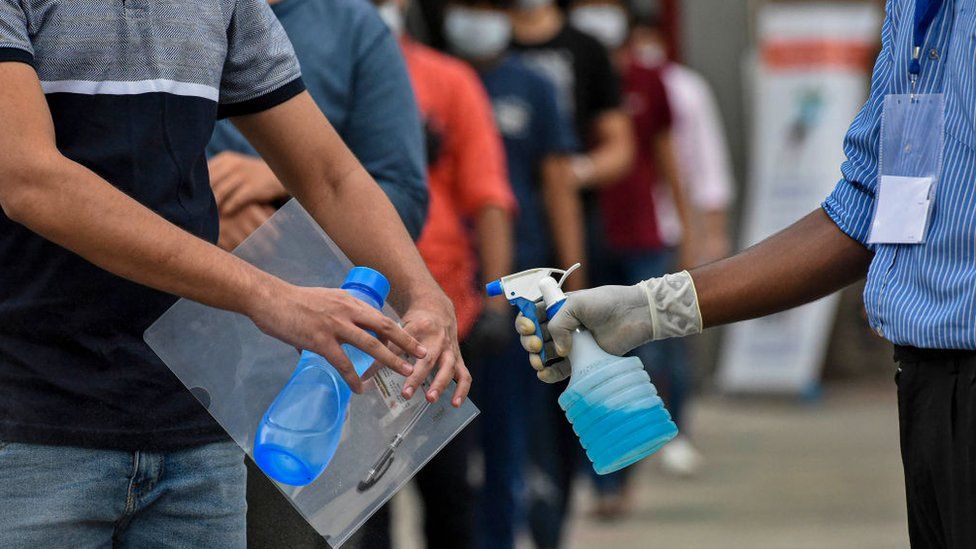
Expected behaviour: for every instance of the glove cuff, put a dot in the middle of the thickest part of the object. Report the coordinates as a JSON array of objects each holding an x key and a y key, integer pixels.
[{"x": 673, "y": 303}]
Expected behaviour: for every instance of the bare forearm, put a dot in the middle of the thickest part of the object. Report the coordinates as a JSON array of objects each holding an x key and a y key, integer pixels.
[
  {"x": 613, "y": 154},
  {"x": 318, "y": 169},
  {"x": 495, "y": 243},
  {"x": 668, "y": 162},
  {"x": 73, "y": 207},
  {"x": 808, "y": 260}
]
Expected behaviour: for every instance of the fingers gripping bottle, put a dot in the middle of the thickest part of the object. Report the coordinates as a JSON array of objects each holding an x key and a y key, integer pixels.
[
  {"x": 610, "y": 400},
  {"x": 301, "y": 430}
]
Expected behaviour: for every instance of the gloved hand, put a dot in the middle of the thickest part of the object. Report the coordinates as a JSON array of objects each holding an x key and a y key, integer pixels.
[{"x": 619, "y": 317}]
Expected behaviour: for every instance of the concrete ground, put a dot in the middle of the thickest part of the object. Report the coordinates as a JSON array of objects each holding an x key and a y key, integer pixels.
[{"x": 778, "y": 474}]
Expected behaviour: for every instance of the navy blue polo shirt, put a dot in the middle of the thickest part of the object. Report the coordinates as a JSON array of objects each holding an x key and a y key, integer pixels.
[{"x": 134, "y": 88}]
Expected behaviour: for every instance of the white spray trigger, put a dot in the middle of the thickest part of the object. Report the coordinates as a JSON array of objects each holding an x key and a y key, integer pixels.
[
  {"x": 526, "y": 284},
  {"x": 566, "y": 274}
]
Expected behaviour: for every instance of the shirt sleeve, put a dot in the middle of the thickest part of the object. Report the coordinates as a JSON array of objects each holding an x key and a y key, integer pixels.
[
  {"x": 383, "y": 127},
  {"x": 851, "y": 204},
  {"x": 606, "y": 82},
  {"x": 482, "y": 171},
  {"x": 261, "y": 70},
  {"x": 15, "y": 44}
]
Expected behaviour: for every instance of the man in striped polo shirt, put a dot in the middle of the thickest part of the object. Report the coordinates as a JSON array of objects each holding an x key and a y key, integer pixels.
[
  {"x": 921, "y": 283},
  {"x": 105, "y": 109}
]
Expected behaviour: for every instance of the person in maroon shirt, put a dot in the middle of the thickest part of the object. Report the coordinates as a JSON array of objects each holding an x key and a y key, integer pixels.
[{"x": 630, "y": 213}]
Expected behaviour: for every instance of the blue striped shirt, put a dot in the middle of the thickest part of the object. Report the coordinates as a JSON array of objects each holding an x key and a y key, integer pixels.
[{"x": 923, "y": 294}]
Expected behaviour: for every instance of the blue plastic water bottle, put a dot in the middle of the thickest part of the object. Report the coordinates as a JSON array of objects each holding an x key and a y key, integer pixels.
[
  {"x": 301, "y": 430},
  {"x": 610, "y": 400}
]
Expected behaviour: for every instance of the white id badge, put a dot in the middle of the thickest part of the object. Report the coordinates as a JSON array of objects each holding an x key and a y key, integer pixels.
[{"x": 909, "y": 168}]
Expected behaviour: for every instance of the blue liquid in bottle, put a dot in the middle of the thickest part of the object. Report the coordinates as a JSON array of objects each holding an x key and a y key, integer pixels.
[
  {"x": 301, "y": 430},
  {"x": 614, "y": 408}
]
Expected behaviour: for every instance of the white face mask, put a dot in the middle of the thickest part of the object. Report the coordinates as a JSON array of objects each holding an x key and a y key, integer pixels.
[
  {"x": 605, "y": 22},
  {"x": 476, "y": 34},
  {"x": 391, "y": 15}
]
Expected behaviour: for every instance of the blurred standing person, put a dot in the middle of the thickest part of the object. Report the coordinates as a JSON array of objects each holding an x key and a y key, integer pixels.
[
  {"x": 468, "y": 231},
  {"x": 549, "y": 231},
  {"x": 589, "y": 93},
  {"x": 699, "y": 141},
  {"x": 631, "y": 208},
  {"x": 355, "y": 73}
]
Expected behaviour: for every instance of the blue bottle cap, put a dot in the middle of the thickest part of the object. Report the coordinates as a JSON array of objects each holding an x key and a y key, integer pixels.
[{"x": 369, "y": 281}]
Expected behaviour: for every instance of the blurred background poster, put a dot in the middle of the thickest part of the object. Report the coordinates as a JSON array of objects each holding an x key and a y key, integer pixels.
[{"x": 809, "y": 75}]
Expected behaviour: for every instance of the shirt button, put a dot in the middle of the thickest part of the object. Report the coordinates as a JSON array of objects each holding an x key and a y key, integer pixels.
[
  {"x": 879, "y": 331},
  {"x": 933, "y": 54}
]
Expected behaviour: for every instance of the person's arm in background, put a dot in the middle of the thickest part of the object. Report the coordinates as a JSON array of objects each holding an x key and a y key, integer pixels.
[
  {"x": 667, "y": 161},
  {"x": 483, "y": 190},
  {"x": 612, "y": 154},
  {"x": 671, "y": 173},
  {"x": 236, "y": 227},
  {"x": 319, "y": 170},
  {"x": 72, "y": 206},
  {"x": 564, "y": 208},
  {"x": 240, "y": 180},
  {"x": 493, "y": 227},
  {"x": 712, "y": 192},
  {"x": 820, "y": 254},
  {"x": 611, "y": 151},
  {"x": 564, "y": 213}
]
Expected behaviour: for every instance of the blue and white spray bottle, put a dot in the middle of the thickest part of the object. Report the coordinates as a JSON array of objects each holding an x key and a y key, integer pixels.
[{"x": 614, "y": 408}]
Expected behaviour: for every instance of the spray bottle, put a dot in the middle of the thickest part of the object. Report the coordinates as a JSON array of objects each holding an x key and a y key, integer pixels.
[{"x": 610, "y": 401}]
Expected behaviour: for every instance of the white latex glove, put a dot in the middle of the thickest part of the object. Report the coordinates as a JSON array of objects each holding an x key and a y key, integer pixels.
[{"x": 619, "y": 317}]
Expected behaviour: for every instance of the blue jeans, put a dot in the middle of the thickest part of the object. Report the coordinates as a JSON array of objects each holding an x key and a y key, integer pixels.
[
  {"x": 54, "y": 496},
  {"x": 502, "y": 392}
]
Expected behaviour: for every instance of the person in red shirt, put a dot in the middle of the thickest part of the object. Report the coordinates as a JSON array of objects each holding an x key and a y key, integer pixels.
[
  {"x": 468, "y": 232},
  {"x": 468, "y": 182},
  {"x": 630, "y": 209}
]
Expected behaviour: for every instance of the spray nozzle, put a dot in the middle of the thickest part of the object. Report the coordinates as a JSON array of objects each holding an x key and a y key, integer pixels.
[
  {"x": 526, "y": 288},
  {"x": 527, "y": 284}
]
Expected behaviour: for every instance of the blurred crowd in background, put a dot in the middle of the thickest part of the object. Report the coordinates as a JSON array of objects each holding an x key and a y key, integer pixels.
[{"x": 510, "y": 135}]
